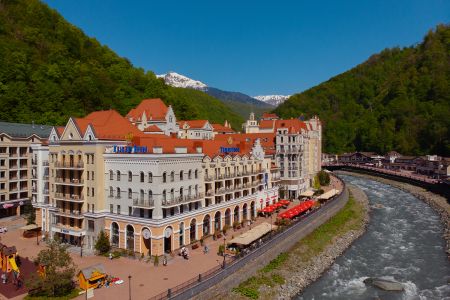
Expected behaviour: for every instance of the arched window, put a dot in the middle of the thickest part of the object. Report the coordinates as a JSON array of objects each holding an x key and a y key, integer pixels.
[
  {"x": 141, "y": 195},
  {"x": 190, "y": 174},
  {"x": 115, "y": 234},
  {"x": 196, "y": 174},
  {"x": 111, "y": 191},
  {"x": 118, "y": 192},
  {"x": 142, "y": 176},
  {"x": 130, "y": 176},
  {"x": 118, "y": 175},
  {"x": 150, "y": 177},
  {"x": 164, "y": 196},
  {"x": 181, "y": 175},
  {"x": 164, "y": 177},
  {"x": 130, "y": 237},
  {"x": 111, "y": 175},
  {"x": 196, "y": 190},
  {"x": 150, "y": 195},
  {"x": 172, "y": 194},
  {"x": 190, "y": 191},
  {"x": 181, "y": 192},
  {"x": 130, "y": 194},
  {"x": 172, "y": 176}
]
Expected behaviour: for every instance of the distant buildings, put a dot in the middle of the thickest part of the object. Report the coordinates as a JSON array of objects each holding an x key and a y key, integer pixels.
[
  {"x": 151, "y": 182},
  {"x": 430, "y": 165}
]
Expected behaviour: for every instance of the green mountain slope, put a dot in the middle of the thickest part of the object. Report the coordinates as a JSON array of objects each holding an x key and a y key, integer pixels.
[
  {"x": 398, "y": 99},
  {"x": 50, "y": 70}
]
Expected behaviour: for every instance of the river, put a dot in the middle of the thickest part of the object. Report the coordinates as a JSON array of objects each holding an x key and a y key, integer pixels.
[{"x": 403, "y": 242}]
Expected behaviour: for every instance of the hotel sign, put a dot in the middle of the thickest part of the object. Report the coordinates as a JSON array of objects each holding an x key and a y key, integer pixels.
[
  {"x": 229, "y": 149},
  {"x": 129, "y": 149}
]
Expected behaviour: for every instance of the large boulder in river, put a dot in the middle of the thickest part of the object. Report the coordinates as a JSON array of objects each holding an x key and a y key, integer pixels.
[{"x": 385, "y": 284}]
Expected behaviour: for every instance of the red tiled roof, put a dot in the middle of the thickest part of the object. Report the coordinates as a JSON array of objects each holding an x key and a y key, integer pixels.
[
  {"x": 193, "y": 123},
  {"x": 153, "y": 128},
  {"x": 209, "y": 147},
  {"x": 266, "y": 124},
  {"x": 220, "y": 128},
  {"x": 269, "y": 116},
  {"x": 154, "y": 109},
  {"x": 59, "y": 130},
  {"x": 267, "y": 139},
  {"x": 294, "y": 125},
  {"x": 107, "y": 125}
]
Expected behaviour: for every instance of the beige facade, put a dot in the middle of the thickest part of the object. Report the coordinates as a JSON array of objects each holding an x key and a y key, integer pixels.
[{"x": 16, "y": 165}]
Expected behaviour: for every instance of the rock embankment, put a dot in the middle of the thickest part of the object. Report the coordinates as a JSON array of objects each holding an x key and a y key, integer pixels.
[
  {"x": 301, "y": 273},
  {"x": 438, "y": 203}
]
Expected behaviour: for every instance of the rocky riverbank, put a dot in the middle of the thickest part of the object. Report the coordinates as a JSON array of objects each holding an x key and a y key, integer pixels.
[
  {"x": 438, "y": 203},
  {"x": 302, "y": 273}
]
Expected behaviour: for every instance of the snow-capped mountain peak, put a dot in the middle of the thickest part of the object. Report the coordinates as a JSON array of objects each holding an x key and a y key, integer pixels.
[
  {"x": 177, "y": 80},
  {"x": 274, "y": 100}
]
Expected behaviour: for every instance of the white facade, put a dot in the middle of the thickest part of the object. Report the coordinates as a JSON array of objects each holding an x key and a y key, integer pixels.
[{"x": 153, "y": 186}]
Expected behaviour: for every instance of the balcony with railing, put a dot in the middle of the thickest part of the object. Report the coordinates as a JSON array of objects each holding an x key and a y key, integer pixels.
[
  {"x": 68, "y": 197},
  {"x": 182, "y": 199},
  {"x": 209, "y": 178},
  {"x": 209, "y": 193},
  {"x": 69, "y": 181},
  {"x": 69, "y": 165},
  {"x": 69, "y": 213},
  {"x": 144, "y": 203}
]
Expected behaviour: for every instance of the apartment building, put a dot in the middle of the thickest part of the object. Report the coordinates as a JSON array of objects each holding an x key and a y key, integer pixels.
[{"x": 19, "y": 145}]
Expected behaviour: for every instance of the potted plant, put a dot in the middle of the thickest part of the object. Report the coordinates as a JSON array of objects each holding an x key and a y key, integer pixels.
[
  {"x": 202, "y": 240},
  {"x": 156, "y": 261}
]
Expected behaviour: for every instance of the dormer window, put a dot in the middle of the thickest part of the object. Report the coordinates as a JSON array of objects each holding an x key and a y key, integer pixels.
[{"x": 70, "y": 136}]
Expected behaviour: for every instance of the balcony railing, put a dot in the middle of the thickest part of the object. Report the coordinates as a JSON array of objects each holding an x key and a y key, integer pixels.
[
  {"x": 68, "y": 197},
  {"x": 209, "y": 178},
  {"x": 69, "y": 213},
  {"x": 143, "y": 203},
  {"x": 182, "y": 199},
  {"x": 74, "y": 181},
  {"x": 69, "y": 165}
]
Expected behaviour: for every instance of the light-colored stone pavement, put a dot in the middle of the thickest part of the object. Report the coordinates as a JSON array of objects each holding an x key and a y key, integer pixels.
[{"x": 147, "y": 280}]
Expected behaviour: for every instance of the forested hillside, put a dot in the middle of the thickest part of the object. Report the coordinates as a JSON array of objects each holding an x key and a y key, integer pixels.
[
  {"x": 50, "y": 70},
  {"x": 398, "y": 99}
]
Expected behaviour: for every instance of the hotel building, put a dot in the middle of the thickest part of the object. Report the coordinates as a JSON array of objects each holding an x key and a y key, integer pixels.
[
  {"x": 298, "y": 149},
  {"x": 152, "y": 191}
]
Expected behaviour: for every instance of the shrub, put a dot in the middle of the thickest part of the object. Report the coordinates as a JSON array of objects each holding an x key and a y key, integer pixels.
[
  {"x": 156, "y": 261},
  {"x": 247, "y": 292},
  {"x": 102, "y": 244},
  {"x": 277, "y": 278},
  {"x": 324, "y": 178}
]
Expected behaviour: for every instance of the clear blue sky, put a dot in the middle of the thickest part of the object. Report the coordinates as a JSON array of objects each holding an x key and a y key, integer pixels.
[{"x": 255, "y": 47}]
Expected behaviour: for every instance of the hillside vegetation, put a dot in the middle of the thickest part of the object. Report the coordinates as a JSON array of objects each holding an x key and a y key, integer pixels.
[
  {"x": 398, "y": 99},
  {"x": 50, "y": 70}
]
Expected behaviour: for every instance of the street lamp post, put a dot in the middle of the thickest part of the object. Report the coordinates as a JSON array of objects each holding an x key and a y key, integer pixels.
[
  {"x": 223, "y": 264},
  {"x": 129, "y": 286},
  {"x": 81, "y": 246}
]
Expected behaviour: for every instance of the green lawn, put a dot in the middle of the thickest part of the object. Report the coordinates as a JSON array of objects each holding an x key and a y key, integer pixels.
[{"x": 348, "y": 218}]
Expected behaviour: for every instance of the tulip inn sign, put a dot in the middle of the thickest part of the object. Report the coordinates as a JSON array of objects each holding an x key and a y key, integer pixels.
[
  {"x": 129, "y": 149},
  {"x": 229, "y": 149}
]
